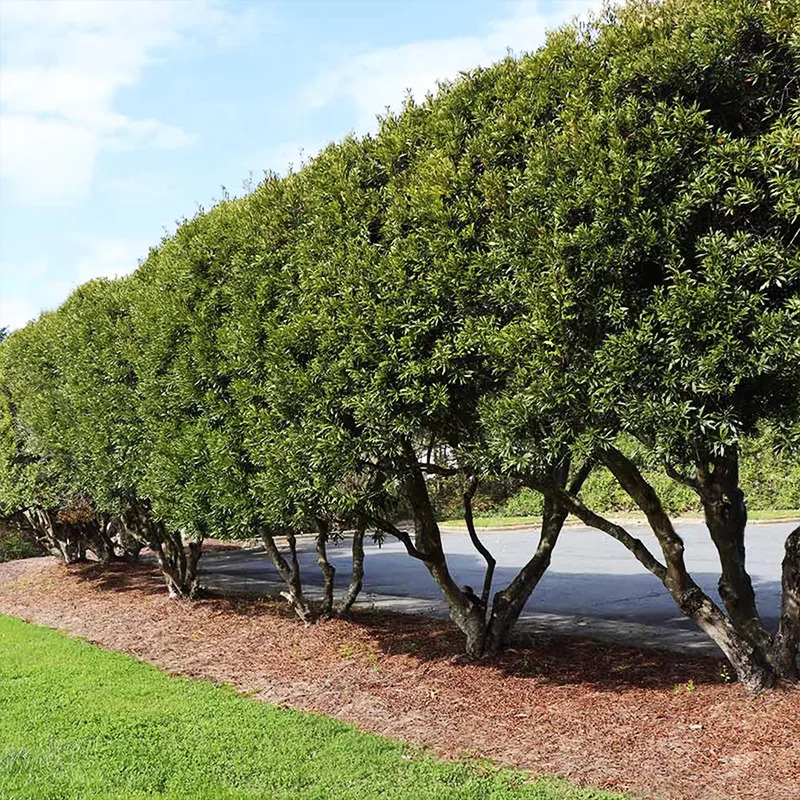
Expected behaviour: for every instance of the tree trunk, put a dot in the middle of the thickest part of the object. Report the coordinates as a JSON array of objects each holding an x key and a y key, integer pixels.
[
  {"x": 131, "y": 550},
  {"x": 61, "y": 539},
  {"x": 100, "y": 543},
  {"x": 290, "y": 574},
  {"x": 726, "y": 518},
  {"x": 328, "y": 570},
  {"x": 508, "y": 604},
  {"x": 467, "y": 614},
  {"x": 126, "y": 538},
  {"x": 788, "y": 636},
  {"x": 178, "y": 567},
  {"x": 357, "y": 577},
  {"x": 751, "y": 666}
]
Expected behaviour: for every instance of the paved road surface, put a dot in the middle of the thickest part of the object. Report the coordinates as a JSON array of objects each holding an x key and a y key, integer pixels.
[{"x": 593, "y": 581}]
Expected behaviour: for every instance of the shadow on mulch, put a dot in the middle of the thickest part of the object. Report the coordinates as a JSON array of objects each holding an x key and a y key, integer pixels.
[
  {"x": 119, "y": 576},
  {"x": 553, "y": 659},
  {"x": 556, "y": 660}
]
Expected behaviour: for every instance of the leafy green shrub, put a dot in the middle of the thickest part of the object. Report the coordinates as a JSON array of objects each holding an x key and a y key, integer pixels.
[
  {"x": 525, "y": 503},
  {"x": 16, "y": 544}
]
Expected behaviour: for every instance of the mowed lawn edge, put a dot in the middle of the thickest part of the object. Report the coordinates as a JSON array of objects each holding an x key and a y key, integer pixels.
[{"x": 78, "y": 721}]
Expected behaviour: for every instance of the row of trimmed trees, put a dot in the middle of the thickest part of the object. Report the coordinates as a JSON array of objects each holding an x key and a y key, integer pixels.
[{"x": 595, "y": 241}]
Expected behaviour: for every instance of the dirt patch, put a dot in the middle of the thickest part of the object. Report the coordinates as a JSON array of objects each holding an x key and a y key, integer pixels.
[{"x": 656, "y": 724}]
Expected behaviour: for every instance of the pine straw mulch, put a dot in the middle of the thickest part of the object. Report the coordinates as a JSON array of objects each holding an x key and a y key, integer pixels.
[{"x": 604, "y": 716}]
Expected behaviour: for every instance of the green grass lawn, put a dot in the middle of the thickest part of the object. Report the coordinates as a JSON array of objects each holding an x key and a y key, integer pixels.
[
  {"x": 80, "y": 722},
  {"x": 498, "y": 521}
]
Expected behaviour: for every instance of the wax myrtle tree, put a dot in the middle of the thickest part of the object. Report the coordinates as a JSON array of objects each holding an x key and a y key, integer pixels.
[
  {"x": 299, "y": 477},
  {"x": 423, "y": 306},
  {"x": 214, "y": 339},
  {"x": 97, "y": 431},
  {"x": 191, "y": 476},
  {"x": 716, "y": 356},
  {"x": 106, "y": 430},
  {"x": 395, "y": 297},
  {"x": 670, "y": 256},
  {"x": 35, "y": 493},
  {"x": 77, "y": 406},
  {"x": 359, "y": 339}
]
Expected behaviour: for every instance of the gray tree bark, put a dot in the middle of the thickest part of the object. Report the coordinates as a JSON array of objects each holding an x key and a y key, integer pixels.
[
  {"x": 427, "y": 547},
  {"x": 508, "y": 603},
  {"x": 177, "y": 559},
  {"x": 788, "y": 635},
  {"x": 289, "y": 572},
  {"x": 753, "y": 669},
  {"x": 357, "y": 577},
  {"x": 178, "y": 562},
  {"x": 61, "y": 539},
  {"x": 725, "y": 513},
  {"x": 327, "y": 569}
]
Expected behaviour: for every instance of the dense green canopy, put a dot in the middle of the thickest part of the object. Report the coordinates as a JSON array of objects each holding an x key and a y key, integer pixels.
[{"x": 596, "y": 239}]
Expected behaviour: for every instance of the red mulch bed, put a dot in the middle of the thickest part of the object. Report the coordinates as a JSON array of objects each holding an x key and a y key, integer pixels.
[{"x": 602, "y": 715}]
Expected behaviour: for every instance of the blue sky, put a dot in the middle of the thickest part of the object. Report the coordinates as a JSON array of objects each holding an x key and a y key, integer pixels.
[{"x": 117, "y": 118}]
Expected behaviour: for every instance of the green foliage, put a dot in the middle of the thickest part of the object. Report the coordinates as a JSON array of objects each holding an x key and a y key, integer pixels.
[
  {"x": 655, "y": 263},
  {"x": 525, "y": 503},
  {"x": 769, "y": 474},
  {"x": 769, "y": 477},
  {"x": 595, "y": 243},
  {"x": 16, "y": 544},
  {"x": 110, "y": 726}
]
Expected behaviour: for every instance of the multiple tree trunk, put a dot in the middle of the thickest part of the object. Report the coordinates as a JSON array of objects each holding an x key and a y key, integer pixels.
[
  {"x": 486, "y": 628},
  {"x": 69, "y": 534},
  {"x": 761, "y": 659},
  {"x": 178, "y": 555},
  {"x": 63, "y": 540},
  {"x": 289, "y": 570}
]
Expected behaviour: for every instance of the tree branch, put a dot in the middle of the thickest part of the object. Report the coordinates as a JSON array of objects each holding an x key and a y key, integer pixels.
[
  {"x": 469, "y": 493},
  {"x": 692, "y": 483},
  {"x": 581, "y": 475},
  {"x": 576, "y": 507},
  {"x": 435, "y": 469},
  {"x": 402, "y": 536}
]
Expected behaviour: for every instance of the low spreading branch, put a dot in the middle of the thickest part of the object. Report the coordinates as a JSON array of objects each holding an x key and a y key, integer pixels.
[
  {"x": 402, "y": 536},
  {"x": 574, "y": 505}
]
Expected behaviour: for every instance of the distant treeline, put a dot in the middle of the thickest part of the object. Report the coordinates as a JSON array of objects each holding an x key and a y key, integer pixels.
[{"x": 770, "y": 480}]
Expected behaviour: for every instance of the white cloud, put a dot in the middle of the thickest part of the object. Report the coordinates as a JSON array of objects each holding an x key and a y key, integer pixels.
[
  {"x": 27, "y": 288},
  {"x": 141, "y": 186},
  {"x": 108, "y": 257},
  {"x": 45, "y": 159},
  {"x": 18, "y": 305},
  {"x": 375, "y": 79},
  {"x": 16, "y": 312},
  {"x": 287, "y": 154},
  {"x": 64, "y": 61}
]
